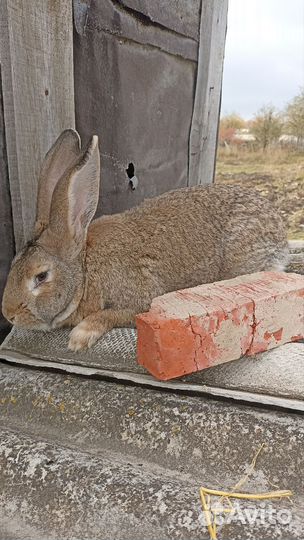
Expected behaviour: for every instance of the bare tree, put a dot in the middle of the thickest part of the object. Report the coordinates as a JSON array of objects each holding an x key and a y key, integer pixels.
[
  {"x": 232, "y": 121},
  {"x": 229, "y": 124},
  {"x": 294, "y": 116},
  {"x": 267, "y": 126}
]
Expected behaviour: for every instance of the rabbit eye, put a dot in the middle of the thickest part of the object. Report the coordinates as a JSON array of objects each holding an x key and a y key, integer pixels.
[{"x": 40, "y": 278}]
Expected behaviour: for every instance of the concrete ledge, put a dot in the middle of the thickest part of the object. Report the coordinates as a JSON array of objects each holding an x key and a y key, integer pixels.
[
  {"x": 88, "y": 459},
  {"x": 179, "y": 433},
  {"x": 64, "y": 494}
]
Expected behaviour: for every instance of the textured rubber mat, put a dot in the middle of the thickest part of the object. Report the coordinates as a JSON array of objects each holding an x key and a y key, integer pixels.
[{"x": 116, "y": 350}]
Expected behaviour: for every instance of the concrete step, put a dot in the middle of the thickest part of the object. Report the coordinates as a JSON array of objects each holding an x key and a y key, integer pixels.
[
  {"x": 89, "y": 459},
  {"x": 296, "y": 263},
  {"x": 295, "y": 245},
  {"x": 58, "y": 492}
]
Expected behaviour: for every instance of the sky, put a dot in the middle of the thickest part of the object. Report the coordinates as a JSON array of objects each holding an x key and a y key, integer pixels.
[{"x": 264, "y": 55}]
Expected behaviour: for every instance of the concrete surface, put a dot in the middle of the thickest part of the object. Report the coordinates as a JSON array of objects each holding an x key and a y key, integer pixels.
[
  {"x": 89, "y": 459},
  {"x": 296, "y": 263}
]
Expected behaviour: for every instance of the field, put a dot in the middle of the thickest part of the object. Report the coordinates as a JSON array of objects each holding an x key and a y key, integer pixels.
[{"x": 277, "y": 173}]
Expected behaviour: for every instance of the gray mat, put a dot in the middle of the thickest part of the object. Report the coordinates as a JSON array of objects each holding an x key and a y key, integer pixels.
[
  {"x": 116, "y": 350},
  {"x": 277, "y": 373}
]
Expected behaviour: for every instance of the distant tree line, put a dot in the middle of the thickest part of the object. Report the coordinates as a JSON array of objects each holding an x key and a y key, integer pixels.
[{"x": 267, "y": 127}]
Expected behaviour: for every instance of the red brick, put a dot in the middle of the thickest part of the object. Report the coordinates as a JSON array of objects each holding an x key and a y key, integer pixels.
[{"x": 193, "y": 329}]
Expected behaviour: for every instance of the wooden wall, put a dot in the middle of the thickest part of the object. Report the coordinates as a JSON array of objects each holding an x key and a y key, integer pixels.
[
  {"x": 147, "y": 78},
  {"x": 149, "y": 90}
]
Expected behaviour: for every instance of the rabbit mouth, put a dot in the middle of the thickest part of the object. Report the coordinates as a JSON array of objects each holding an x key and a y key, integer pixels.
[{"x": 23, "y": 317}]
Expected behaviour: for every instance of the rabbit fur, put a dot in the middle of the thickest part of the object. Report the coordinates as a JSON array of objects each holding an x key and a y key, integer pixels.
[{"x": 97, "y": 275}]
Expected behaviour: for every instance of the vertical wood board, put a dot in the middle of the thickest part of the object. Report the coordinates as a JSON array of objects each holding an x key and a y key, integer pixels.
[
  {"x": 38, "y": 92},
  {"x": 204, "y": 127},
  {"x": 6, "y": 224}
]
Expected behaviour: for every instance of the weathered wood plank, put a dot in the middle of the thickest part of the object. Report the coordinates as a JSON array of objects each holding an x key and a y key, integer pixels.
[
  {"x": 180, "y": 16},
  {"x": 122, "y": 20},
  {"x": 6, "y": 224},
  {"x": 203, "y": 135},
  {"x": 134, "y": 79},
  {"x": 138, "y": 99},
  {"x": 37, "y": 63}
]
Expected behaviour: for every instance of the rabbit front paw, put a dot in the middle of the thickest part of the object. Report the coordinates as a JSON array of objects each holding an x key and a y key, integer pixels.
[{"x": 84, "y": 335}]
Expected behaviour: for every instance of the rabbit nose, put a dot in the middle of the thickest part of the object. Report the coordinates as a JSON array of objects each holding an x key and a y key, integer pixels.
[{"x": 8, "y": 315}]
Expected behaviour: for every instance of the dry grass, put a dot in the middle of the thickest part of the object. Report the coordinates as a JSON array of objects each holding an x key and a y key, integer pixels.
[{"x": 278, "y": 174}]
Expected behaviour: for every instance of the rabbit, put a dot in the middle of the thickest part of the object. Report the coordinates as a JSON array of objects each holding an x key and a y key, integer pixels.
[{"x": 93, "y": 276}]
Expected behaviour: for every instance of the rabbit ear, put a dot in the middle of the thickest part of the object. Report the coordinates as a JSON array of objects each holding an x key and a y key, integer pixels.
[
  {"x": 75, "y": 199},
  {"x": 59, "y": 158}
]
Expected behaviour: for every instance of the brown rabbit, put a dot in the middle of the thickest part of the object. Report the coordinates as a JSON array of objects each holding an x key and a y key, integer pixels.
[{"x": 97, "y": 276}]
